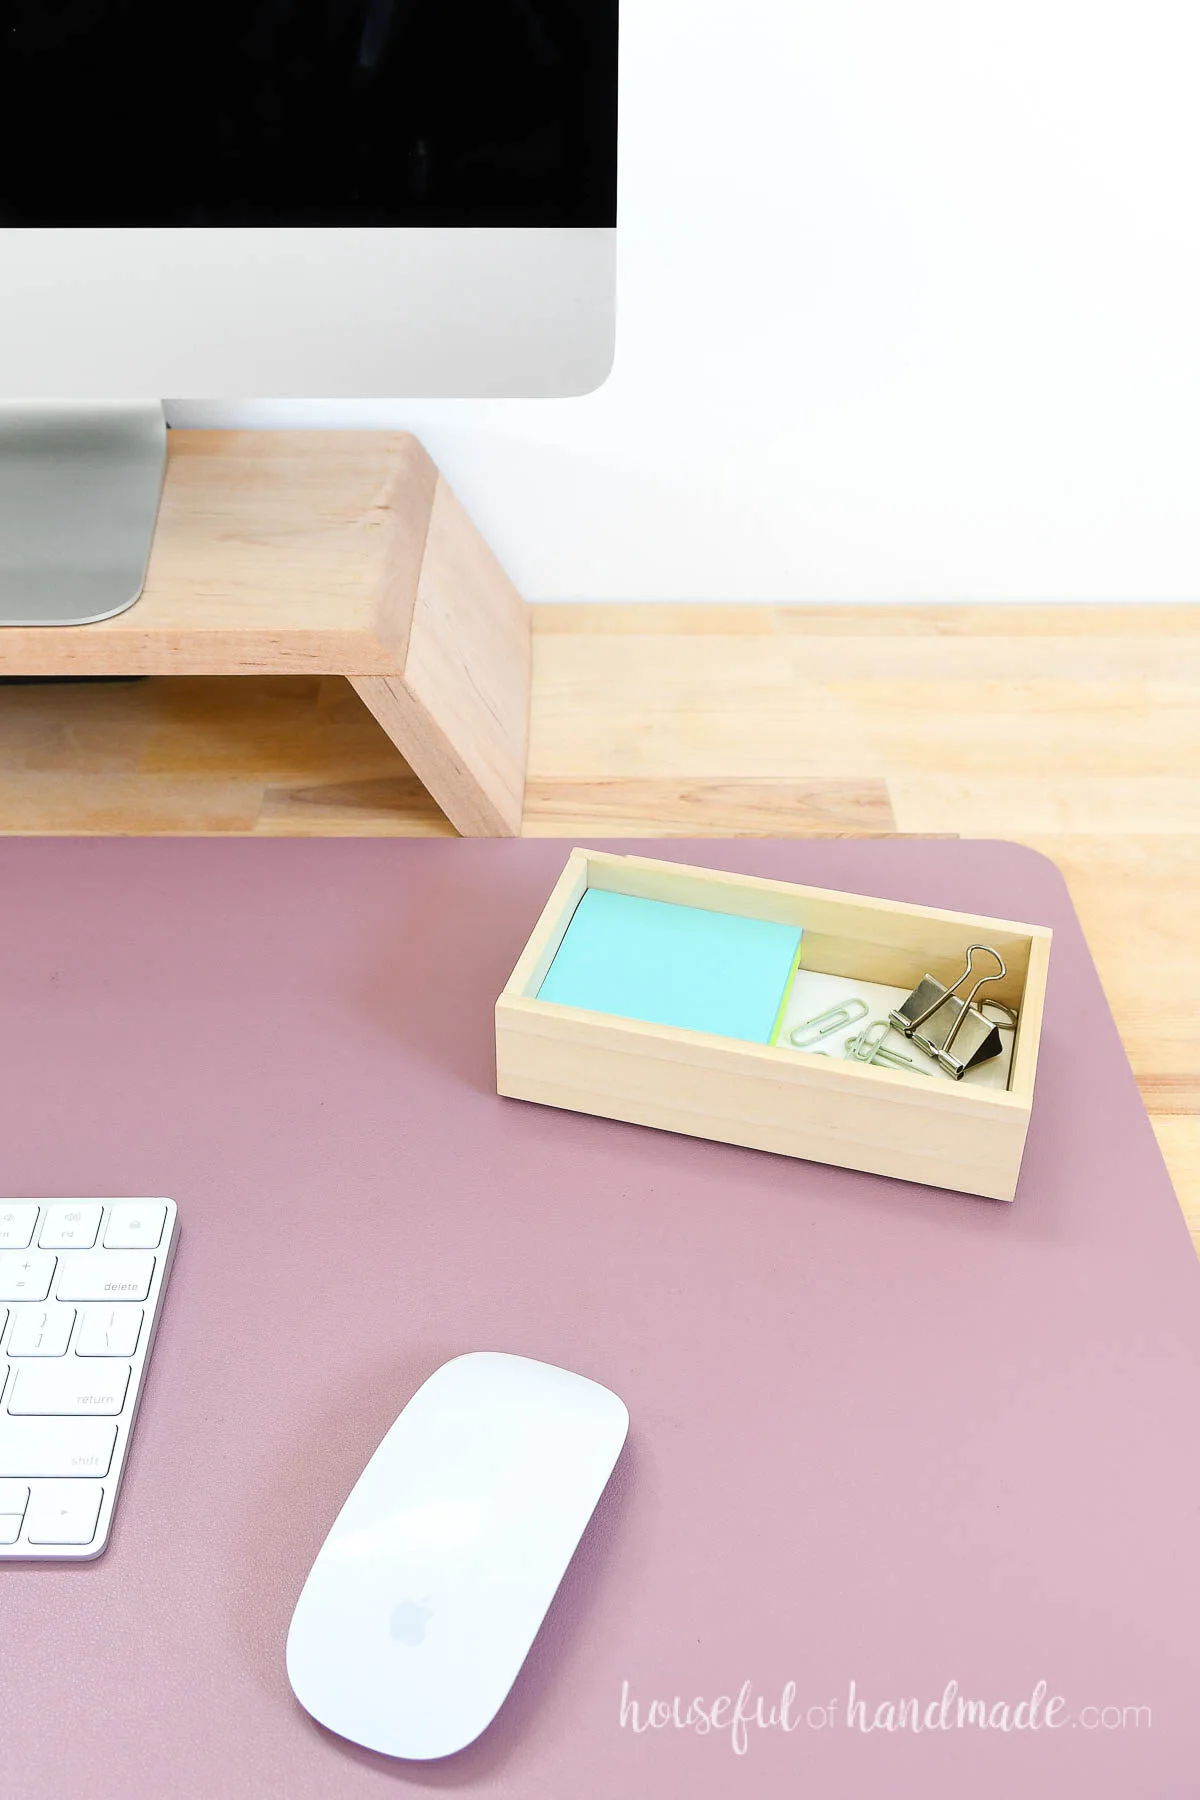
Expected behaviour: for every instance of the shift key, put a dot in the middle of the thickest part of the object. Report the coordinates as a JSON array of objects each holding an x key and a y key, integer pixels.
[
  {"x": 105, "y": 1274},
  {"x": 55, "y": 1447}
]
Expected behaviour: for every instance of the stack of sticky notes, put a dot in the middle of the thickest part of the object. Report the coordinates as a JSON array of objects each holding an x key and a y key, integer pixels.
[{"x": 675, "y": 965}]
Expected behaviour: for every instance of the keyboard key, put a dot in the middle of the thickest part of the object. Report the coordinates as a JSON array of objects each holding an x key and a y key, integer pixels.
[
  {"x": 41, "y": 1331},
  {"x": 69, "y": 1387},
  {"x": 64, "y": 1512},
  {"x": 17, "y": 1220},
  {"x": 14, "y": 1497},
  {"x": 71, "y": 1225},
  {"x": 109, "y": 1331},
  {"x": 25, "y": 1274},
  {"x": 103, "y": 1275},
  {"x": 135, "y": 1225},
  {"x": 56, "y": 1447}
]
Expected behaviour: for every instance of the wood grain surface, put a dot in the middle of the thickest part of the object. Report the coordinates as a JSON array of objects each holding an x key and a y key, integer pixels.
[
  {"x": 1074, "y": 729},
  {"x": 328, "y": 553}
]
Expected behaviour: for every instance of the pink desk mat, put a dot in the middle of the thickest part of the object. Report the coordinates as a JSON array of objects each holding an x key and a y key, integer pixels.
[{"x": 880, "y": 1434}]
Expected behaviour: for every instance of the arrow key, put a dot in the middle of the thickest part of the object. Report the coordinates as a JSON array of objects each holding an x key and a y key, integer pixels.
[{"x": 63, "y": 1512}]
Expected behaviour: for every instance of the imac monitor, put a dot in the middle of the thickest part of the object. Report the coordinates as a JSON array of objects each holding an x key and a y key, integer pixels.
[
  {"x": 336, "y": 198},
  {"x": 306, "y": 197}
]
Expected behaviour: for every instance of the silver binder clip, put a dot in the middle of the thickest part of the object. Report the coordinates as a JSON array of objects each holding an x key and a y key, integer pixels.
[
  {"x": 956, "y": 1031},
  {"x": 812, "y": 1030}
]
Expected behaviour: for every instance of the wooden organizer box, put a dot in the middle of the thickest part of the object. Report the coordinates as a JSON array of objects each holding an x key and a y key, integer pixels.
[{"x": 947, "y": 1134}]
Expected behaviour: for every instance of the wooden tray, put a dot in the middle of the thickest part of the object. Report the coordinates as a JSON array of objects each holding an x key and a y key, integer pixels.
[{"x": 947, "y": 1134}]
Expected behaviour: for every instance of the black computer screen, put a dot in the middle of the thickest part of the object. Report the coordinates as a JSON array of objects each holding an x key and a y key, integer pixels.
[{"x": 308, "y": 112}]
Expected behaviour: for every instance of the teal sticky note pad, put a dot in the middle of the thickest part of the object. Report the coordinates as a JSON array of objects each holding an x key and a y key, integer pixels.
[{"x": 674, "y": 965}]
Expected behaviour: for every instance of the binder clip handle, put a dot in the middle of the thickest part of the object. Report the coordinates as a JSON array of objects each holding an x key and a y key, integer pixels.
[{"x": 998, "y": 974}]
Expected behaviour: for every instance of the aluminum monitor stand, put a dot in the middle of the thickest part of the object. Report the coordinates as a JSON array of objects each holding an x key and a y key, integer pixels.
[{"x": 79, "y": 492}]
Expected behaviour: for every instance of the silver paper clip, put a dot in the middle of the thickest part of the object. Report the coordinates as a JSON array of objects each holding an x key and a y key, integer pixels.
[
  {"x": 812, "y": 1030},
  {"x": 962, "y": 1036},
  {"x": 867, "y": 1047}
]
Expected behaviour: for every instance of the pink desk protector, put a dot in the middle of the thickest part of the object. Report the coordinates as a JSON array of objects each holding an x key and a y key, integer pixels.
[{"x": 880, "y": 1433}]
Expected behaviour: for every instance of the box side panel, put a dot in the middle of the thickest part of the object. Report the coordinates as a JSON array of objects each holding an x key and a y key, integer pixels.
[
  {"x": 851, "y": 935},
  {"x": 1029, "y": 1021},
  {"x": 551, "y": 928},
  {"x": 848, "y": 1120}
]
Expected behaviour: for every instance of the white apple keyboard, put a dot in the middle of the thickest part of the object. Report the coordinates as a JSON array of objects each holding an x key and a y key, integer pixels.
[{"x": 81, "y": 1286}]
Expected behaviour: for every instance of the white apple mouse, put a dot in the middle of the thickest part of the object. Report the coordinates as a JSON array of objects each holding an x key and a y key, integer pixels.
[{"x": 430, "y": 1588}]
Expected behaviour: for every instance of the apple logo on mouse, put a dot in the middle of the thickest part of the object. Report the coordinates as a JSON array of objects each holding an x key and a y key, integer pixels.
[{"x": 410, "y": 1620}]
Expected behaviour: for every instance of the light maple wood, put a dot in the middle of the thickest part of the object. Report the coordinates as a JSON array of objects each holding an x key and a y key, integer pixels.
[
  {"x": 1029, "y": 1009},
  {"x": 1073, "y": 729},
  {"x": 459, "y": 711},
  {"x": 948, "y": 1134},
  {"x": 543, "y": 943},
  {"x": 337, "y": 552}
]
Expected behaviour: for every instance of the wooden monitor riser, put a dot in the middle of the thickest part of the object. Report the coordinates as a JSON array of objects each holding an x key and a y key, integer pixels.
[{"x": 333, "y": 553}]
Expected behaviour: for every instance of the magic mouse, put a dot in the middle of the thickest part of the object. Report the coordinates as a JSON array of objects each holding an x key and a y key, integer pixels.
[{"x": 430, "y": 1588}]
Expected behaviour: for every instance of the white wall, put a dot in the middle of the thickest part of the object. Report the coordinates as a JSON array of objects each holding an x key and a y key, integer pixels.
[{"x": 909, "y": 309}]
